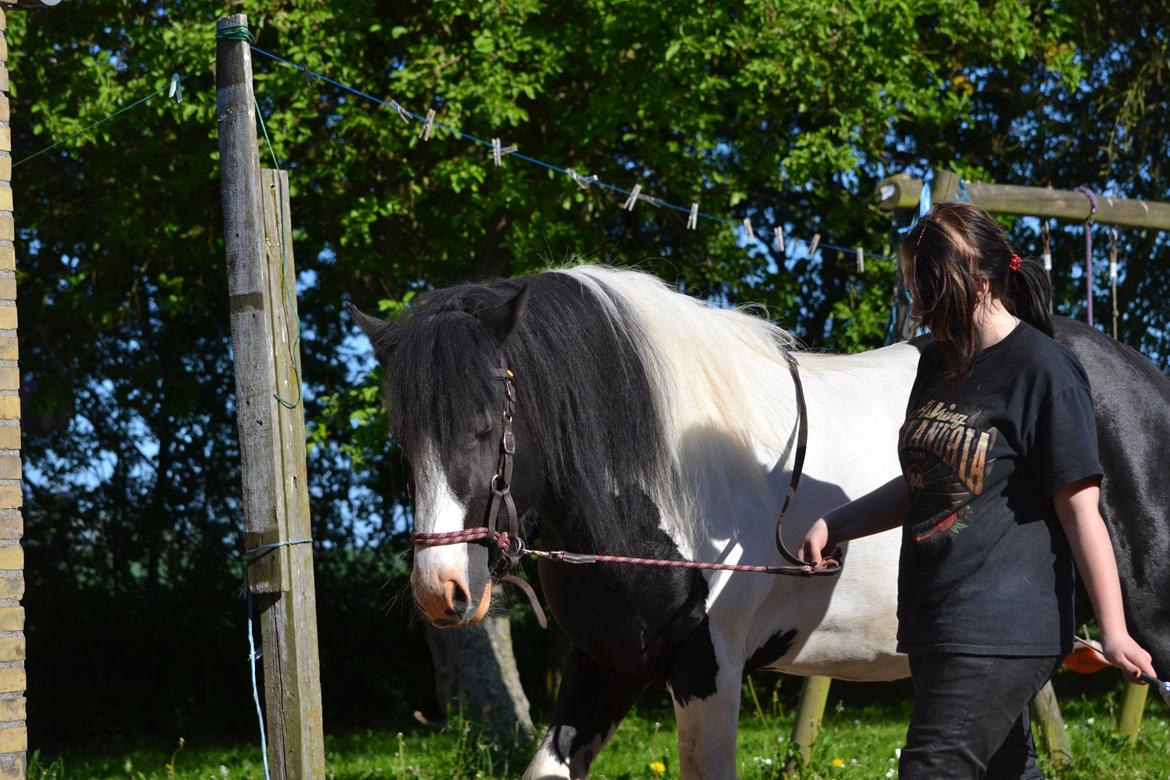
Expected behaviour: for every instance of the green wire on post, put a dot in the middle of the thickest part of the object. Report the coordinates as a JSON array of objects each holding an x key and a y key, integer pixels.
[{"x": 235, "y": 32}]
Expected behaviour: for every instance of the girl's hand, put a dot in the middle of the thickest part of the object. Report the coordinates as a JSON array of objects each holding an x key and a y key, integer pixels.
[
  {"x": 815, "y": 545},
  {"x": 1127, "y": 655}
]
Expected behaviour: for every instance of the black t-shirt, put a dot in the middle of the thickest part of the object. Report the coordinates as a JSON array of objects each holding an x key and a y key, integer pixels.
[{"x": 985, "y": 567}]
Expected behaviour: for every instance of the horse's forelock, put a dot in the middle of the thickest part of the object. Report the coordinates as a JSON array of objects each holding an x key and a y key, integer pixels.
[{"x": 439, "y": 380}]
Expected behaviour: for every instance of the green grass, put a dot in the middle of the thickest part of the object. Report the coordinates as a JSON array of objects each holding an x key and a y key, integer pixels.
[{"x": 857, "y": 741}]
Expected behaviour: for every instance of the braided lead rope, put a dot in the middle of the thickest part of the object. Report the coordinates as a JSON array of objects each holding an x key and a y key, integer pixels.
[
  {"x": 481, "y": 533},
  {"x": 504, "y": 542}
]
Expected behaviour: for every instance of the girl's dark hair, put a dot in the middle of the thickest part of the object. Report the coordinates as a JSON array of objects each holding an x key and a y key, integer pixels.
[{"x": 952, "y": 248}]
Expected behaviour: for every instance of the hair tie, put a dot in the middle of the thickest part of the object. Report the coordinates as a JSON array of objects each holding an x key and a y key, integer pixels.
[{"x": 1015, "y": 263}]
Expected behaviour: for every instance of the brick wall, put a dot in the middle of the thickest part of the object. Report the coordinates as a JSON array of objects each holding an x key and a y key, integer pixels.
[{"x": 13, "y": 733}]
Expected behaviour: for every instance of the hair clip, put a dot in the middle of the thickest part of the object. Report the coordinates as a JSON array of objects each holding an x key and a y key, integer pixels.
[{"x": 1015, "y": 263}]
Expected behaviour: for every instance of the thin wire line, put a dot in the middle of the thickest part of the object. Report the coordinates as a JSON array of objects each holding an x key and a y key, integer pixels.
[
  {"x": 102, "y": 121},
  {"x": 252, "y": 656},
  {"x": 527, "y": 158}
]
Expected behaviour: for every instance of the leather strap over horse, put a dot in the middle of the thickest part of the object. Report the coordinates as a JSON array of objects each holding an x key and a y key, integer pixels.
[{"x": 506, "y": 545}]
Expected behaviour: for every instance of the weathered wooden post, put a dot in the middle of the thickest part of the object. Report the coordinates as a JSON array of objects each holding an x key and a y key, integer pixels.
[
  {"x": 1133, "y": 705},
  {"x": 813, "y": 697},
  {"x": 1054, "y": 739},
  {"x": 270, "y": 416}
]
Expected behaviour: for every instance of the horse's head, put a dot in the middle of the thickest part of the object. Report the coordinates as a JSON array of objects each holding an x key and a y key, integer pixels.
[{"x": 447, "y": 402}]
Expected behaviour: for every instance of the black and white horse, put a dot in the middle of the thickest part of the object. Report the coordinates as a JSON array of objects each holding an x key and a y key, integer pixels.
[{"x": 650, "y": 424}]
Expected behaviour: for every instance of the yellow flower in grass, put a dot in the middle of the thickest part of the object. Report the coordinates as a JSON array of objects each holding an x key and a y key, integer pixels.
[
  {"x": 657, "y": 767},
  {"x": 838, "y": 762}
]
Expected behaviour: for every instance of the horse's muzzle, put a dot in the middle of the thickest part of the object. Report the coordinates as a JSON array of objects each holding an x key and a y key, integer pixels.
[{"x": 449, "y": 605}]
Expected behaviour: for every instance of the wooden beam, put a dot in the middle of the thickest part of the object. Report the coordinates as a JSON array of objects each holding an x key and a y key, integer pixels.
[
  {"x": 1035, "y": 201},
  {"x": 261, "y": 285},
  {"x": 899, "y": 191}
]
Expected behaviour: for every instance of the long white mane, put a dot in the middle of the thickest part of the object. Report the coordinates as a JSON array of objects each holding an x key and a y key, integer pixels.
[{"x": 723, "y": 393}]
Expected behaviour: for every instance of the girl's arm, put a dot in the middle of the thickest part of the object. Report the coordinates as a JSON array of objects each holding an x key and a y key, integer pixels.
[
  {"x": 1076, "y": 506},
  {"x": 876, "y": 511}
]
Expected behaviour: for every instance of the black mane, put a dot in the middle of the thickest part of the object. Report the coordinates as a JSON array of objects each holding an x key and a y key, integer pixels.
[{"x": 583, "y": 393}]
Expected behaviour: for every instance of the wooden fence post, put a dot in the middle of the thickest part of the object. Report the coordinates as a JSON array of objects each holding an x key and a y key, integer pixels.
[
  {"x": 1053, "y": 734},
  {"x": 813, "y": 697},
  {"x": 1133, "y": 705},
  {"x": 270, "y": 417}
]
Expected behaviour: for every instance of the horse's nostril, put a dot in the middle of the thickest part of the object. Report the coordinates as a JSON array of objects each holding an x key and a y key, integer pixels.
[{"x": 459, "y": 600}]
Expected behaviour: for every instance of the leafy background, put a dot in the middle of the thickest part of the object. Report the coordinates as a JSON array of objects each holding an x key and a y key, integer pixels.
[{"x": 785, "y": 112}]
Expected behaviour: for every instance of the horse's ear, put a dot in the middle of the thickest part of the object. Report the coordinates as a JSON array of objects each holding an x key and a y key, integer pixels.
[
  {"x": 502, "y": 320},
  {"x": 380, "y": 333}
]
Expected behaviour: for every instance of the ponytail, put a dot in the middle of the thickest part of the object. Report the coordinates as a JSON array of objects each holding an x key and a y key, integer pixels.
[{"x": 1027, "y": 294}]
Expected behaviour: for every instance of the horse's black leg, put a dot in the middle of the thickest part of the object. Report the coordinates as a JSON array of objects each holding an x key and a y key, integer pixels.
[{"x": 590, "y": 704}]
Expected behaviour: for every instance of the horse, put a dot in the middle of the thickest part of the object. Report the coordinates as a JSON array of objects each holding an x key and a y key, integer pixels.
[{"x": 643, "y": 422}]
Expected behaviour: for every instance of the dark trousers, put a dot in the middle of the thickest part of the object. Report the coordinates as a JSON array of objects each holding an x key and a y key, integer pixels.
[{"x": 971, "y": 717}]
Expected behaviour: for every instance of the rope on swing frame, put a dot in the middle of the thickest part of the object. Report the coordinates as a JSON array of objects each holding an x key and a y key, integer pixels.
[
  {"x": 1113, "y": 276},
  {"x": 1092, "y": 196}
]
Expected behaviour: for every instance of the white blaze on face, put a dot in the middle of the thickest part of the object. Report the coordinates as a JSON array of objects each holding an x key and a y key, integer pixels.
[{"x": 436, "y": 510}]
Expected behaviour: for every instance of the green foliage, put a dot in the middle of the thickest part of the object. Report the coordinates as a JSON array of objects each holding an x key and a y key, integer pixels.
[{"x": 782, "y": 112}]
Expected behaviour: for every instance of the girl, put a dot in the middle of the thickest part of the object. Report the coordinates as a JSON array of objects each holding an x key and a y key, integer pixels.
[{"x": 998, "y": 496}]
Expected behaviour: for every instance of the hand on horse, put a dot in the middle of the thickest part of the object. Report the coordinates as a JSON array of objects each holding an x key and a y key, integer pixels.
[
  {"x": 818, "y": 546},
  {"x": 1122, "y": 651}
]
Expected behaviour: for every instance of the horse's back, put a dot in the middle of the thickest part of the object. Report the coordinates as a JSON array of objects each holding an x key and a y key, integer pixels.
[{"x": 1132, "y": 402}]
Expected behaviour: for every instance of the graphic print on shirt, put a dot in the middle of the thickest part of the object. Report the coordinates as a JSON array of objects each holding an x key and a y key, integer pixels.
[{"x": 945, "y": 461}]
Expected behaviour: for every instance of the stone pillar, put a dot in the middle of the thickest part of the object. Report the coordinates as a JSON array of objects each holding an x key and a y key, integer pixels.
[{"x": 13, "y": 731}]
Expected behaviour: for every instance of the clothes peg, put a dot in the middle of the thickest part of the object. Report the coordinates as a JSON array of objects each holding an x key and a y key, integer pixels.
[
  {"x": 693, "y": 219},
  {"x": 581, "y": 181},
  {"x": 498, "y": 152},
  {"x": 632, "y": 201},
  {"x": 747, "y": 226},
  {"x": 778, "y": 234},
  {"x": 812, "y": 245},
  {"x": 428, "y": 125},
  {"x": 860, "y": 260},
  {"x": 398, "y": 109},
  {"x": 176, "y": 88}
]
